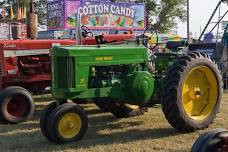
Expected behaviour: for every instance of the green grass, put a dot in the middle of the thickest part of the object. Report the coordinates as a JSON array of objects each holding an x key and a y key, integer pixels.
[{"x": 147, "y": 133}]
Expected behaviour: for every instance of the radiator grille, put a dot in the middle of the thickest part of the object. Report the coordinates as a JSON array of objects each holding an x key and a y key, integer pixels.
[{"x": 66, "y": 72}]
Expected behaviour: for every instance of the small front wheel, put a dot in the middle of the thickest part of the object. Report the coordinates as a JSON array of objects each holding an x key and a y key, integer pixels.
[
  {"x": 44, "y": 118},
  {"x": 67, "y": 123}
]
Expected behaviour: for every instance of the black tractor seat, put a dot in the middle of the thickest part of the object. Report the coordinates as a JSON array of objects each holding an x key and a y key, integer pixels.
[{"x": 176, "y": 44}]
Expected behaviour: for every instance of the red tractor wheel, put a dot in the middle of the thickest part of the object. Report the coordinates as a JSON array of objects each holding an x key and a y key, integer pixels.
[{"x": 16, "y": 105}]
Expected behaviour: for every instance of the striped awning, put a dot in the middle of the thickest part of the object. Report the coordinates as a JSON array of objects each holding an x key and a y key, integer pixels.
[{"x": 164, "y": 38}]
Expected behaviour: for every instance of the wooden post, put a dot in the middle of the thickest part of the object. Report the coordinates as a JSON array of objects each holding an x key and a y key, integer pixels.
[
  {"x": 33, "y": 26},
  {"x": 32, "y": 22}
]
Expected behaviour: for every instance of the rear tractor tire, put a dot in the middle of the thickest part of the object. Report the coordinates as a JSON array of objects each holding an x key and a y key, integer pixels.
[
  {"x": 64, "y": 124},
  {"x": 213, "y": 141},
  {"x": 192, "y": 92},
  {"x": 16, "y": 105},
  {"x": 119, "y": 110}
]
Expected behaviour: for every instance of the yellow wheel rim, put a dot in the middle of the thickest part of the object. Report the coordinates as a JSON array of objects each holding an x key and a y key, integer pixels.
[
  {"x": 199, "y": 93},
  {"x": 69, "y": 125}
]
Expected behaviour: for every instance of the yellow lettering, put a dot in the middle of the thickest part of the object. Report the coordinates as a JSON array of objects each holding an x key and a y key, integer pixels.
[{"x": 104, "y": 58}]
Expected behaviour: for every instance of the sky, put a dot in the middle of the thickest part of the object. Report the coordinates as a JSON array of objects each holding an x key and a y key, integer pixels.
[{"x": 200, "y": 12}]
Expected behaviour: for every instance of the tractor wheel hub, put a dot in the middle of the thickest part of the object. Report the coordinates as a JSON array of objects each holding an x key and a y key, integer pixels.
[
  {"x": 195, "y": 93},
  {"x": 71, "y": 125}
]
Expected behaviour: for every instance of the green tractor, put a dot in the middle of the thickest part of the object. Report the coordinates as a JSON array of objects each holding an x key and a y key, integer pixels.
[{"x": 127, "y": 79}]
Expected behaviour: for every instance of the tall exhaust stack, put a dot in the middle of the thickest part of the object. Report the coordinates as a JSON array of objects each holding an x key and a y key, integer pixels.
[{"x": 78, "y": 29}]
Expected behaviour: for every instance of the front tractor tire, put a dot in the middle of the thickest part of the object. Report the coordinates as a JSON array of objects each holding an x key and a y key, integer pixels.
[
  {"x": 192, "y": 92},
  {"x": 119, "y": 110},
  {"x": 65, "y": 124},
  {"x": 16, "y": 105},
  {"x": 44, "y": 118}
]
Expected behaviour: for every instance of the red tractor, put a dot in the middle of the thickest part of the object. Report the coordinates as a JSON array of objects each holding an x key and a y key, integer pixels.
[{"x": 25, "y": 70}]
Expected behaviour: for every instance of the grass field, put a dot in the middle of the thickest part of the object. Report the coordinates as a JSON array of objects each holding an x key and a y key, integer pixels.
[{"x": 147, "y": 133}]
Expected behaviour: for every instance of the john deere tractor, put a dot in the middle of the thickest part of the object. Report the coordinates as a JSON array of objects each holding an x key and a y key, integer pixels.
[{"x": 127, "y": 79}]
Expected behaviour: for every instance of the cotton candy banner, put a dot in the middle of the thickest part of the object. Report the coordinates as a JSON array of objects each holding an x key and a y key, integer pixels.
[{"x": 97, "y": 15}]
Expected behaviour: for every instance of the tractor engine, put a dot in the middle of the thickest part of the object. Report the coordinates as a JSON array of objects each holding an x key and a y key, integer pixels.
[
  {"x": 34, "y": 65},
  {"x": 106, "y": 76},
  {"x": 138, "y": 84}
]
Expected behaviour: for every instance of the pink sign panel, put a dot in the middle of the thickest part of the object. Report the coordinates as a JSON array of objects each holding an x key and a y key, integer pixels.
[
  {"x": 71, "y": 7},
  {"x": 97, "y": 15}
]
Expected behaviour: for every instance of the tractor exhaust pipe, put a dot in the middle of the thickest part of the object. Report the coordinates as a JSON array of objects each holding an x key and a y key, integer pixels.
[{"x": 78, "y": 29}]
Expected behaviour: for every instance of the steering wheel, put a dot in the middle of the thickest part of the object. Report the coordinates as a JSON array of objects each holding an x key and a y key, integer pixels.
[
  {"x": 152, "y": 31},
  {"x": 86, "y": 32}
]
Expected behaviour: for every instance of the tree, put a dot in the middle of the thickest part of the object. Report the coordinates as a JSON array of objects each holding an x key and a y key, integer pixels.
[
  {"x": 41, "y": 10},
  {"x": 165, "y": 13}
]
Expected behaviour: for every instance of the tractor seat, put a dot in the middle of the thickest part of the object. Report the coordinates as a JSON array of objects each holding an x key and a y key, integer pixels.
[{"x": 176, "y": 44}]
